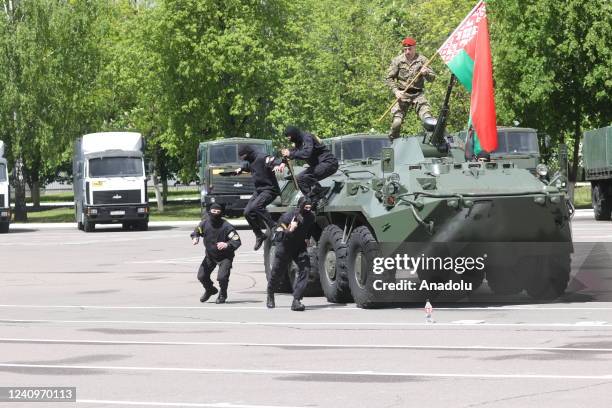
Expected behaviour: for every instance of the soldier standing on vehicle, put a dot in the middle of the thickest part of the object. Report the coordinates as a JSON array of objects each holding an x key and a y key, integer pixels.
[
  {"x": 291, "y": 239},
  {"x": 403, "y": 69},
  {"x": 322, "y": 163},
  {"x": 261, "y": 167},
  {"x": 221, "y": 241}
]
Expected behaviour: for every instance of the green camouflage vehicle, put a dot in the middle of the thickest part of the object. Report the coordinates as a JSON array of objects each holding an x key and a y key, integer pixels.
[
  {"x": 419, "y": 202},
  {"x": 597, "y": 160},
  {"x": 518, "y": 145},
  {"x": 357, "y": 146},
  {"x": 217, "y": 157}
]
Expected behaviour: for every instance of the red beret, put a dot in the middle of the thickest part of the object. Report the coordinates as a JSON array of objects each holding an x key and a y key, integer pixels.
[{"x": 408, "y": 41}]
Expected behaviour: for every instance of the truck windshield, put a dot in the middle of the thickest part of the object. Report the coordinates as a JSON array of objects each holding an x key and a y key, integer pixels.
[
  {"x": 2, "y": 172},
  {"x": 360, "y": 149},
  {"x": 517, "y": 142},
  {"x": 115, "y": 167},
  {"x": 228, "y": 153}
]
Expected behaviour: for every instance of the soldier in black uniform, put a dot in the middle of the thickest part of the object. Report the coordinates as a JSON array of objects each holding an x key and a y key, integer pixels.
[
  {"x": 291, "y": 240},
  {"x": 221, "y": 241},
  {"x": 322, "y": 163},
  {"x": 261, "y": 167}
]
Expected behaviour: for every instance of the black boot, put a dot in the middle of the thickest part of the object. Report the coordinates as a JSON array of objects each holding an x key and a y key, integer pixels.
[
  {"x": 297, "y": 306},
  {"x": 270, "y": 302},
  {"x": 259, "y": 241},
  {"x": 208, "y": 293},
  {"x": 223, "y": 294}
]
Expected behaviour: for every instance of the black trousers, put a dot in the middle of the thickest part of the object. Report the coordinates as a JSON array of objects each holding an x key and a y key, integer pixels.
[
  {"x": 208, "y": 266},
  {"x": 255, "y": 211},
  {"x": 282, "y": 260},
  {"x": 308, "y": 180}
]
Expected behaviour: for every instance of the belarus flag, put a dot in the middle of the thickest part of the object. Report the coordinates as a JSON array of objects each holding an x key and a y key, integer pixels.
[{"x": 467, "y": 52}]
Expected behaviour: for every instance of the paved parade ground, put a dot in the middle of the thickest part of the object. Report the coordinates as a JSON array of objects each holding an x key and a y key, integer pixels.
[{"x": 117, "y": 315}]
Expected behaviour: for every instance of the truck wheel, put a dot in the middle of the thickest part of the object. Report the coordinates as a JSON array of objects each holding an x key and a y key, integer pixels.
[
  {"x": 601, "y": 205},
  {"x": 313, "y": 288},
  {"x": 332, "y": 265},
  {"x": 362, "y": 249},
  {"x": 284, "y": 285},
  {"x": 142, "y": 225},
  {"x": 4, "y": 227},
  {"x": 89, "y": 226},
  {"x": 548, "y": 276}
]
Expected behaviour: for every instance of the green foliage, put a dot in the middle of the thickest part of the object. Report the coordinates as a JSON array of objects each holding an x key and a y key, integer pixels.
[{"x": 553, "y": 65}]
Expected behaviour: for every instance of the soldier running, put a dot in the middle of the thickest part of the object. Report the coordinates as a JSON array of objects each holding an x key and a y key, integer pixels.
[
  {"x": 403, "y": 69},
  {"x": 221, "y": 241},
  {"x": 291, "y": 240},
  {"x": 261, "y": 167},
  {"x": 322, "y": 163}
]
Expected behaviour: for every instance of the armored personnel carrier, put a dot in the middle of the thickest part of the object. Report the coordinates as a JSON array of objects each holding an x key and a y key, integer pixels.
[{"x": 419, "y": 214}]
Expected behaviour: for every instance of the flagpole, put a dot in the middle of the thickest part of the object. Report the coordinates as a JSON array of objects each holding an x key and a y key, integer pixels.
[{"x": 409, "y": 85}]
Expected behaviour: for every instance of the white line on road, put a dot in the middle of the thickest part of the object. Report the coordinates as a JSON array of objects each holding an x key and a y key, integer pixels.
[
  {"x": 330, "y": 306},
  {"x": 309, "y": 372},
  {"x": 181, "y": 404},
  {"x": 335, "y": 323},
  {"x": 304, "y": 345}
]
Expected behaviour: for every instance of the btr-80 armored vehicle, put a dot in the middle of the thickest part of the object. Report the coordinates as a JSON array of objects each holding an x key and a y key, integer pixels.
[{"x": 421, "y": 216}]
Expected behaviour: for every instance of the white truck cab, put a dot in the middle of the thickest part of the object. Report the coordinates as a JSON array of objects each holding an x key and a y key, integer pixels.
[
  {"x": 110, "y": 184},
  {"x": 5, "y": 207}
]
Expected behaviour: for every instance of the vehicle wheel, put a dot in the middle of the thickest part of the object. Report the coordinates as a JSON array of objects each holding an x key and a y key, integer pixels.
[
  {"x": 89, "y": 226},
  {"x": 332, "y": 265},
  {"x": 125, "y": 226},
  {"x": 548, "y": 276},
  {"x": 504, "y": 280},
  {"x": 80, "y": 226},
  {"x": 4, "y": 227},
  {"x": 142, "y": 225},
  {"x": 362, "y": 249},
  {"x": 284, "y": 285},
  {"x": 313, "y": 288},
  {"x": 602, "y": 207}
]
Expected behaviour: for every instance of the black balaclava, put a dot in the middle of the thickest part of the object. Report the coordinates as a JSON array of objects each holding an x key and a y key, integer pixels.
[
  {"x": 247, "y": 152},
  {"x": 302, "y": 203},
  {"x": 216, "y": 218},
  {"x": 293, "y": 133}
]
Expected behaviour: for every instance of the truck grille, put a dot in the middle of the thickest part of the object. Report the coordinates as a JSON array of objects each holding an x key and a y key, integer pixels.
[
  {"x": 117, "y": 197},
  {"x": 232, "y": 185}
]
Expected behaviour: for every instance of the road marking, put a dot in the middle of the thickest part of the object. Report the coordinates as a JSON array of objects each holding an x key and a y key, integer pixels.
[
  {"x": 468, "y": 322},
  {"x": 335, "y": 323},
  {"x": 304, "y": 345},
  {"x": 183, "y": 404},
  {"x": 309, "y": 372},
  {"x": 330, "y": 306}
]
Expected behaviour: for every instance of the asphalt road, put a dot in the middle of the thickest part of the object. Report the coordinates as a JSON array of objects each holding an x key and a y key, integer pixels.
[{"x": 116, "y": 315}]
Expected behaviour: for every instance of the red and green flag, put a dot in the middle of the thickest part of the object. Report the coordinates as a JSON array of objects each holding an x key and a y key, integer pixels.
[{"x": 467, "y": 53}]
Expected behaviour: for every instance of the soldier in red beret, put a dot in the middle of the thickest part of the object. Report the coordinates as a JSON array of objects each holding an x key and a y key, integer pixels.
[{"x": 403, "y": 69}]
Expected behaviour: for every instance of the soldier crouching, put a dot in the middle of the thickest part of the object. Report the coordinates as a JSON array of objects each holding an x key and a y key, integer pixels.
[{"x": 221, "y": 241}]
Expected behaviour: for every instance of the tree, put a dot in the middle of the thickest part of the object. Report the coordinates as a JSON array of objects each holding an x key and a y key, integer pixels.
[{"x": 553, "y": 66}]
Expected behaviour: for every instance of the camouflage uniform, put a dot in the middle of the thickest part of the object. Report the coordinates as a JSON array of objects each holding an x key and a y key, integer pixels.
[{"x": 400, "y": 74}]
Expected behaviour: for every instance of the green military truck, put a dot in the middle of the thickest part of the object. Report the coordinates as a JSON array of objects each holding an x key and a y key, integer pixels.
[
  {"x": 597, "y": 161},
  {"x": 519, "y": 145},
  {"x": 357, "y": 146},
  {"x": 218, "y": 157}
]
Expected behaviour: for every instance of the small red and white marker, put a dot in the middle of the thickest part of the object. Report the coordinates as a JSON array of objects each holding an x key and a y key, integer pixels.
[{"x": 428, "y": 312}]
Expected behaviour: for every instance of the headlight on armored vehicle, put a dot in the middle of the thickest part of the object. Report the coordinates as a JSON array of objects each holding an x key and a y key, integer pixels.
[
  {"x": 392, "y": 188},
  {"x": 4, "y": 214},
  {"x": 542, "y": 170},
  {"x": 142, "y": 210}
]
